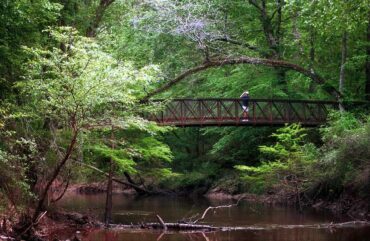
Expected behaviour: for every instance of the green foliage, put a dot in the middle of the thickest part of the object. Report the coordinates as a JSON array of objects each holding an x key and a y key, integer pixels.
[
  {"x": 122, "y": 159},
  {"x": 21, "y": 24},
  {"x": 77, "y": 80},
  {"x": 343, "y": 160},
  {"x": 289, "y": 144},
  {"x": 260, "y": 179},
  {"x": 340, "y": 124},
  {"x": 15, "y": 163},
  {"x": 152, "y": 150},
  {"x": 54, "y": 81},
  {"x": 345, "y": 156},
  {"x": 201, "y": 176},
  {"x": 289, "y": 156}
]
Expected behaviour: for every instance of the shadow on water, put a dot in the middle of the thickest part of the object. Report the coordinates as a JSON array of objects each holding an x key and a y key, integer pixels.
[{"x": 265, "y": 221}]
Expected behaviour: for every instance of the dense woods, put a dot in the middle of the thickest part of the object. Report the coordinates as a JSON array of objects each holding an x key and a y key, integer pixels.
[{"x": 76, "y": 77}]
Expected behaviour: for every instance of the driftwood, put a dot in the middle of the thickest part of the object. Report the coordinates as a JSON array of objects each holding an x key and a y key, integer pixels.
[
  {"x": 169, "y": 226},
  {"x": 185, "y": 227},
  {"x": 216, "y": 207},
  {"x": 164, "y": 226}
]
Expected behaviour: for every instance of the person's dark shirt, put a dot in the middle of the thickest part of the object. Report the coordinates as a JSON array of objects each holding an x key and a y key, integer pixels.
[{"x": 245, "y": 100}]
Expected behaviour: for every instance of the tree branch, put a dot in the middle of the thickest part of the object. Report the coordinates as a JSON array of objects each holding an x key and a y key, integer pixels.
[
  {"x": 217, "y": 207},
  {"x": 244, "y": 60},
  {"x": 160, "y": 220},
  {"x": 254, "y": 3},
  {"x": 235, "y": 42},
  {"x": 99, "y": 12},
  {"x": 136, "y": 187},
  {"x": 63, "y": 192}
]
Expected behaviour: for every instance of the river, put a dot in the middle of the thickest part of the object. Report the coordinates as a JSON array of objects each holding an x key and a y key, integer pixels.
[{"x": 265, "y": 222}]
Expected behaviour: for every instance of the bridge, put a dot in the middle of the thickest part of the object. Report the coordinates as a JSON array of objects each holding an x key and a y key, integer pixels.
[{"x": 229, "y": 112}]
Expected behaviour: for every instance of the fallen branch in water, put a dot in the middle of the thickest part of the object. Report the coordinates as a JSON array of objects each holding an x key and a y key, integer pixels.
[
  {"x": 170, "y": 226},
  {"x": 185, "y": 227},
  {"x": 216, "y": 207},
  {"x": 164, "y": 226}
]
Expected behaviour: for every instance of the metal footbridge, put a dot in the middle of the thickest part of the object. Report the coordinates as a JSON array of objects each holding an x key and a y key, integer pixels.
[{"x": 229, "y": 112}]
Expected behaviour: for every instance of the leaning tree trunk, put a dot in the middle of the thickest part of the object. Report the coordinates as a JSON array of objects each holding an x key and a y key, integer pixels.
[
  {"x": 24, "y": 228},
  {"x": 67, "y": 155}
]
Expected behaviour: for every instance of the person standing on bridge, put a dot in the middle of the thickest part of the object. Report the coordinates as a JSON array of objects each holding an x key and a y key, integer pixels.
[{"x": 245, "y": 104}]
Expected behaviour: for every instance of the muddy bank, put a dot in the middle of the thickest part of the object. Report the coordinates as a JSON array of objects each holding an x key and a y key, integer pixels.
[
  {"x": 99, "y": 187},
  {"x": 51, "y": 226},
  {"x": 347, "y": 204}
]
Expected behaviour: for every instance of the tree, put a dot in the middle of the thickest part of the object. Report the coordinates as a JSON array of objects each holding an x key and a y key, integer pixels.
[{"x": 75, "y": 89}]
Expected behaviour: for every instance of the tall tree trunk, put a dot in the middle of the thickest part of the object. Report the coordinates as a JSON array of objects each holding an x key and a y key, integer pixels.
[
  {"x": 343, "y": 62},
  {"x": 108, "y": 202},
  {"x": 312, "y": 58},
  {"x": 273, "y": 35},
  {"x": 367, "y": 67},
  {"x": 342, "y": 73}
]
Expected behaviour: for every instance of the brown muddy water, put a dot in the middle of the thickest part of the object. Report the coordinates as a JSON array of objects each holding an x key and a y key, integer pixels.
[{"x": 264, "y": 222}]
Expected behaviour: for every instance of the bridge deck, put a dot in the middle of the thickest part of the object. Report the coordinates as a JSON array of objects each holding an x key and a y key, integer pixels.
[{"x": 229, "y": 112}]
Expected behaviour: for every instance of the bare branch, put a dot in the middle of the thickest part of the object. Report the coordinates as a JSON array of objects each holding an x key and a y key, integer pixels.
[
  {"x": 217, "y": 207},
  {"x": 161, "y": 222}
]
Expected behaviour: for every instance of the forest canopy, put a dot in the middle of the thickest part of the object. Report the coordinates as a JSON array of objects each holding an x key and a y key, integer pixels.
[{"x": 77, "y": 77}]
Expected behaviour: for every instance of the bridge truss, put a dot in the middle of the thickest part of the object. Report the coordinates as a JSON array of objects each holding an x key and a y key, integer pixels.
[{"x": 229, "y": 112}]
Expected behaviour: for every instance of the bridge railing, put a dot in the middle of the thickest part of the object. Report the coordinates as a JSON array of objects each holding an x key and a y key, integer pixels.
[{"x": 211, "y": 111}]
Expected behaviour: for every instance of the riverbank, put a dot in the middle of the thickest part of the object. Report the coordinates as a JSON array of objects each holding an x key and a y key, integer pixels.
[{"x": 348, "y": 203}]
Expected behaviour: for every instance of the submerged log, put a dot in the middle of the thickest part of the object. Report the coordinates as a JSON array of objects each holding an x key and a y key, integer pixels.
[
  {"x": 209, "y": 228},
  {"x": 169, "y": 226}
]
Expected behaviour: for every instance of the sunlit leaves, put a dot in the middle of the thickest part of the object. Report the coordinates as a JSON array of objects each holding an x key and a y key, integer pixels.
[
  {"x": 80, "y": 79},
  {"x": 289, "y": 142},
  {"x": 121, "y": 158}
]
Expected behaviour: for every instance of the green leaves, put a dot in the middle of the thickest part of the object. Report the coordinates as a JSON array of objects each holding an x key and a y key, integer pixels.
[
  {"x": 122, "y": 159},
  {"x": 289, "y": 143},
  {"x": 152, "y": 151},
  {"x": 79, "y": 80}
]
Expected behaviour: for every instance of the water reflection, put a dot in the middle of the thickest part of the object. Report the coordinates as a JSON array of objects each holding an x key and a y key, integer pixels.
[
  {"x": 127, "y": 209},
  {"x": 273, "y": 235}
]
